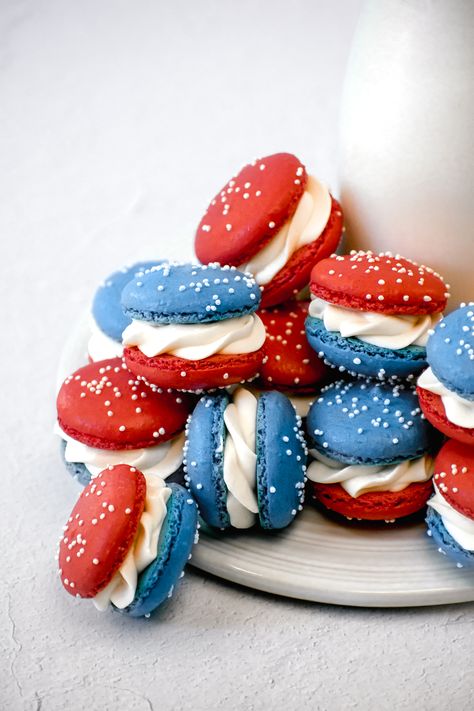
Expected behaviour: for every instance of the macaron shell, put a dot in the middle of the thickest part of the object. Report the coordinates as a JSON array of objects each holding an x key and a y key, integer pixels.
[
  {"x": 290, "y": 362},
  {"x": 217, "y": 371},
  {"x": 140, "y": 416},
  {"x": 77, "y": 470},
  {"x": 433, "y": 409},
  {"x": 295, "y": 275},
  {"x": 445, "y": 542},
  {"x": 363, "y": 359},
  {"x": 365, "y": 422},
  {"x": 106, "y": 307},
  {"x": 450, "y": 351},
  {"x": 250, "y": 209},
  {"x": 204, "y": 456},
  {"x": 190, "y": 293},
  {"x": 281, "y": 461},
  {"x": 379, "y": 282},
  {"x": 101, "y": 529},
  {"x": 454, "y": 476},
  {"x": 374, "y": 506},
  {"x": 178, "y": 533}
]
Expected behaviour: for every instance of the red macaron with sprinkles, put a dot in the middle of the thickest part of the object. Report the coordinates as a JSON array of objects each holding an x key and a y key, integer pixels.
[
  {"x": 106, "y": 416},
  {"x": 371, "y": 314},
  {"x": 273, "y": 220},
  {"x": 127, "y": 541},
  {"x": 290, "y": 364}
]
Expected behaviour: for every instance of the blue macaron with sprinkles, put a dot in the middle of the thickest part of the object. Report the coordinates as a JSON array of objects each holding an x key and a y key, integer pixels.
[
  {"x": 193, "y": 327},
  {"x": 245, "y": 460},
  {"x": 108, "y": 320},
  {"x": 371, "y": 314},
  {"x": 371, "y": 447},
  {"x": 127, "y": 541},
  {"x": 446, "y": 388}
]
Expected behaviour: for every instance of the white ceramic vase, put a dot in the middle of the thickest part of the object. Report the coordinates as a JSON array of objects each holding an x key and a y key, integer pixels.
[{"x": 407, "y": 152}]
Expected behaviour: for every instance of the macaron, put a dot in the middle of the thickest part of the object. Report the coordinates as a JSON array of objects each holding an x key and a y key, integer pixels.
[
  {"x": 371, "y": 314},
  {"x": 108, "y": 320},
  {"x": 371, "y": 447},
  {"x": 245, "y": 460},
  {"x": 450, "y": 515},
  {"x": 273, "y": 220},
  {"x": 290, "y": 364},
  {"x": 193, "y": 327},
  {"x": 106, "y": 416},
  {"x": 446, "y": 387},
  {"x": 127, "y": 541}
]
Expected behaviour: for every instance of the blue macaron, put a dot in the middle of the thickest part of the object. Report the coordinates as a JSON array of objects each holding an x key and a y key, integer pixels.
[
  {"x": 360, "y": 358},
  {"x": 369, "y": 422},
  {"x": 177, "y": 537},
  {"x": 445, "y": 542},
  {"x": 450, "y": 351},
  {"x": 279, "y": 468},
  {"x": 190, "y": 293},
  {"x": 106, "y": 307}
]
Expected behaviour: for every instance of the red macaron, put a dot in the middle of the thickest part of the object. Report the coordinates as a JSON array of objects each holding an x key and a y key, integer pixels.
[
  {"x": 375, "y": 505},
  {"x": 104, "y": 405},
  {"x": 290, "y": 363},
  {"x": 112, "y": 505},
  {"x": 249, "y": 212},
  {"x": 434, "y": 411},
  {"x": 454, "y": 476},
  {"x": 195, "y": 375},
  {"x": 379, "y": 282}
]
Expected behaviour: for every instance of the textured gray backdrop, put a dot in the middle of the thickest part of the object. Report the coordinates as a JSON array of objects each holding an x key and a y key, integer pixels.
[{"x": 119, "y": 121}]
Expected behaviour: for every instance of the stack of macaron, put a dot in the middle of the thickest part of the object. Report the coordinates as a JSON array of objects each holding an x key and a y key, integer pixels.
[
  {"x": 370, "y": 318},
  {"x": 275, "y": 221},
  {"x": 199, "y": 376},
  {"x": 446, "y": 393}
]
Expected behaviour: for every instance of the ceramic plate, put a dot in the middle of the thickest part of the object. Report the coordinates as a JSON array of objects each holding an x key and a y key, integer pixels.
[{"x": 319, "y": 559}]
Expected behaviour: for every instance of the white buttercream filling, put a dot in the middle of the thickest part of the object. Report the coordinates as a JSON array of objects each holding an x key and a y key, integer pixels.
[
  {"x": 121, "y": 589},
  {"x": 161, "y": 460},
  {"x": 100, "y": 346},
  {"x": 359, "y": 479},
  {"x": 301, "y": 403},
  {"x": 383, "y": 330},
  {"x": 458, "y": 410},
  {"x": 195, "y": 341},
  {"x": 240, "y": 459},
  {"x": 305, "y": 226},
  {"x": 457, "y": 525}
]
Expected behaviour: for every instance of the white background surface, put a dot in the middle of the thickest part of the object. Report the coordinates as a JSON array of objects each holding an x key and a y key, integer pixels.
[{"x": 119, "y": 122}]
